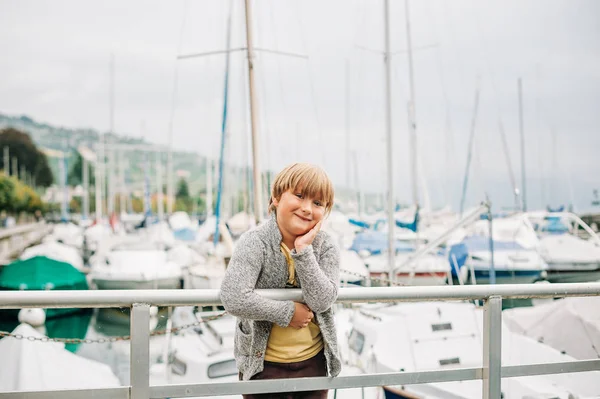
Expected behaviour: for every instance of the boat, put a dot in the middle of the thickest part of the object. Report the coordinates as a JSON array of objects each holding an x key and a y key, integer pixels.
[
  {"x": 34, "y": 365},
  {"x": 40, "y": 273},
  {"x": 513, "y": 264},
  {"x": 414, "y": 337},
  {"x": 430, "y": 269},
  {"x": 570, "y": 258},
  {"x": 353, "y": 271},
  {"x": 135, "y": 269},
  {"x": 57, "y": 251},
  {"x": 545, "y": 323},
  {"x": 200, "y": 354}
]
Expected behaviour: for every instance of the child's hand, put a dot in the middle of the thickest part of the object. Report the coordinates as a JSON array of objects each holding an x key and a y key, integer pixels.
[
  {"x": 302, "y": 316},
  {"x": 305, "y": 240}
]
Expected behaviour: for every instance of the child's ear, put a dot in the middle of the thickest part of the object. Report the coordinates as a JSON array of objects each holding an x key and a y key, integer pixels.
[{"x": 274, "y": 201}]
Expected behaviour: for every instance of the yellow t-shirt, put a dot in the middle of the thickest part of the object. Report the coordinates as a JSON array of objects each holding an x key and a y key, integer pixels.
[{"x": 288, "y": 344}]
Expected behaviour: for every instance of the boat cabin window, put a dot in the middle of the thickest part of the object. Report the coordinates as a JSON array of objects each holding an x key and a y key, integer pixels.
[
  {"x": 222, "y": 369},
  {"x": 441, "y": 327},
  {"x": 447, "y": 362},
  {"x": 356, "y": 341}
]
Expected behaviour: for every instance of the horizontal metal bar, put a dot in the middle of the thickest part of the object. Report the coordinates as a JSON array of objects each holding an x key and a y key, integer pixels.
[
  {"x": 204, "y": 54},
  {"x": 18, "y": 230},
  {"x": 313, "y": 383},
  {"x": 264, "y": 50},
  {"x": 550, "y": 368},
  {"x": 126, "y": 298},
  {"x": 364, "y": 380},
  {"x": 104, "y": 393}
]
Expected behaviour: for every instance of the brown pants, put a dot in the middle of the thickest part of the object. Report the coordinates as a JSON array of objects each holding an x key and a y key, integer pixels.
[{"x": 316, "y": 366}]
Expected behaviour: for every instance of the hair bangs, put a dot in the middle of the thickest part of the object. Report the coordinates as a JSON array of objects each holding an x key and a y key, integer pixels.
[{"x": 309, "y": 179}]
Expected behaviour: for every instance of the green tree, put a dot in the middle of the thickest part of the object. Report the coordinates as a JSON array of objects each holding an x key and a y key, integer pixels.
[
  {"x": 7, "y": 192},
  {"x": 75, "y": 176},
  {"x": 183, "y": 191},
  {"x": 22, "y": 147}
]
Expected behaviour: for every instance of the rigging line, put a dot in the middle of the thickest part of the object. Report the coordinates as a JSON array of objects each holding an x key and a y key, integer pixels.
[
  {"x": 281, "y": 91},
  {"x": 452, "y": 39},
  {"x": 176, "y": 69},
  {"x": 172, "y": 112},
  {"x": 359, "y": 24},
  {"x": 315, "y": 110}
]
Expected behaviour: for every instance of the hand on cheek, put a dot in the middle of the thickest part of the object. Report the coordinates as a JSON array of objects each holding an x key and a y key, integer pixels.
[{"x": 305, "y": 240}]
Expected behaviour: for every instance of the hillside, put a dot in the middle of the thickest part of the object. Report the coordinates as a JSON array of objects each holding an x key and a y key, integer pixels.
[{"x": 54, "y": 139}]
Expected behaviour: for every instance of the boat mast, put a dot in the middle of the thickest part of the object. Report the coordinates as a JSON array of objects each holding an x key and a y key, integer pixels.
[
  {"x": 86, "y": 187},
  {"x": 523, "y": 182},
  {"x": 388, "y": 129},
  {"x": 258, "y": 187},
  {"x": 412, "y": 124},
  {"x": 110, "y": 176},
  {"x": 470, "y": 151},
  {"x": 223, "y": 134}
]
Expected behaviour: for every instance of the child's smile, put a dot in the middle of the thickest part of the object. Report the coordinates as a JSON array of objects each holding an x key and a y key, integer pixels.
[{"x": 297, "y": 213}]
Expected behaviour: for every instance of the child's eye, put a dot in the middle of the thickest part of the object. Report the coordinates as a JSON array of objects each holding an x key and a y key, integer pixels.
[
  {"x": 299, "y": 195},
  {"x": 318, "y": 203}
]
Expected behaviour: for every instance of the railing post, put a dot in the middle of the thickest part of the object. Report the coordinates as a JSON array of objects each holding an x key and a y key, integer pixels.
[
  {"x": 492, "y": 348},
  {"x": 139, "y": 373}
]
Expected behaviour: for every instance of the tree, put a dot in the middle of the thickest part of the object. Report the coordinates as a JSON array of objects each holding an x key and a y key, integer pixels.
[
  {"x": 27, "y": 154},
  {"x": 183, "y": 190},
  {"x": 16, "y": 197},
  {"x": 75, "y": 176},
  {"x": 7, "y": 192}
]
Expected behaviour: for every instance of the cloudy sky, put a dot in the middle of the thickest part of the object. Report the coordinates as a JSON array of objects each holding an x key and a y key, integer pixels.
[{"x": 56, "y": 61}]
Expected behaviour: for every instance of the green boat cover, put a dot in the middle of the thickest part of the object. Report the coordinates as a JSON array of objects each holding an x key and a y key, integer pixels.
[{"x": 41, "y": 273}]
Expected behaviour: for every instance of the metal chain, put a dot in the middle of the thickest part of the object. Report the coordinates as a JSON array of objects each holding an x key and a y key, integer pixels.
[
  {"x": 379, "y": 279},
  {"x": 108, "y": 339}
]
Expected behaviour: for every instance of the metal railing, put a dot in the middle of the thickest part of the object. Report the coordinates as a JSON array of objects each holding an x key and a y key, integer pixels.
[
  {"x": 14, "y": 240},
  {"x": 140, "y": 301}
]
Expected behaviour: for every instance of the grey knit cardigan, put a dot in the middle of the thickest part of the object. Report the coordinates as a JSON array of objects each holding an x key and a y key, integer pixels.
[{"x": 257, "y": 262}]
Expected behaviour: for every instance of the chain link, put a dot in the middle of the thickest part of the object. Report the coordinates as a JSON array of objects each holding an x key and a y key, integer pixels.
[
  {"x": 378, "y": 279},
  {"x": 166, "y": 330},
  {"x": 109, "y": 339}
]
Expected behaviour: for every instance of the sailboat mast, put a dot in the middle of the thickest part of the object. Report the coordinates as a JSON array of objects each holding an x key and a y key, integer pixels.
[
  {"x": 159, "y": 188},
  {"x": 110, "y": 176},
  {"x": 86, "y": 187},
  {"x": 388, "y": 128},
  {"x": 258, "y": 202},
  {"x": 98, "y": 179},
  {"x": 412, "y": 125},
  {"x": 523, "y": 178},
  {"x": 223, "y": 133},
  {"x": 470, "y": 151},
  {"x": 347, "y": 120}
]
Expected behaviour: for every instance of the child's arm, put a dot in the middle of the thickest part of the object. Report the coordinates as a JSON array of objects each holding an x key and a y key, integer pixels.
[
  {"x": 237, "y": 289},
  {"x": 319, "y": 280}
]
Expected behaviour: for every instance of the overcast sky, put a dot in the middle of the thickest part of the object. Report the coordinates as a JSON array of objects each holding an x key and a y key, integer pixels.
[{"x": 56, "y": 57}]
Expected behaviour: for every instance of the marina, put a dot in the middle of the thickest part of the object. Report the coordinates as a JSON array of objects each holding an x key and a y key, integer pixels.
[
  {"x": 138, "y": 197},
  {"x": 190, "y": 338}
]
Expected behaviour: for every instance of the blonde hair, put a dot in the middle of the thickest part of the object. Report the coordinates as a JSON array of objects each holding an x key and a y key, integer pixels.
[{"x": 310, "y": 179}]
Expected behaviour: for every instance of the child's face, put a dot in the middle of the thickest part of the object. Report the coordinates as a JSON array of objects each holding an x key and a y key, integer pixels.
[{"x": 296, "y": 213}]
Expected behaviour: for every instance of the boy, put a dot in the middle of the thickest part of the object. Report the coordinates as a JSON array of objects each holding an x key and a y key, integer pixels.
[{"x": 285, "y": 339}]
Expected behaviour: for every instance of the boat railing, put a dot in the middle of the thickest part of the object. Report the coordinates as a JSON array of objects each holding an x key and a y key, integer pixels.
[{"x": 491, "y": 372}]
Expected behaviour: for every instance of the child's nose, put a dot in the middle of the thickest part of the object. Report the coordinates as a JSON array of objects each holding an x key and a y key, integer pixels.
[{"x": 306, "y": 205}]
